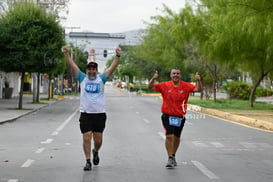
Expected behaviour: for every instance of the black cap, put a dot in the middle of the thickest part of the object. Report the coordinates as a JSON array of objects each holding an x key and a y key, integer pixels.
[{"x": 92, "y": 64}]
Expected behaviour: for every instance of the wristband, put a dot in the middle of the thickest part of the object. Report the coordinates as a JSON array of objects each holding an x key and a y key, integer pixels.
[{"x": 117, "y": 55}]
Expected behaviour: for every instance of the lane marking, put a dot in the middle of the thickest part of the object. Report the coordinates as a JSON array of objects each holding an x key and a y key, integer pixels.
[
  {"x": 248, "y": 145},
  {"x": 39, "y": 150},
  {"x": 54, "y": 133},
  {"x": 162, "y": 135},
  {"x": 13, "y": 180},
  {"x": 205, "y": 170},
  {"x": 28, "y": 163},
  {"x": 61, "y": 127},
  {"x": 217, "y": 144},
  {"x": 49, "y": 140},
  {"x": 146, "y": 121},
  {"x": 188, "y": 123},
  {"x": 199, "y": 144}
]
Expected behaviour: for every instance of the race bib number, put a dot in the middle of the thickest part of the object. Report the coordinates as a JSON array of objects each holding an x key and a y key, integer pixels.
[
  {"x": 175, "y": 121},
  {"x": 92, "y": 88}
]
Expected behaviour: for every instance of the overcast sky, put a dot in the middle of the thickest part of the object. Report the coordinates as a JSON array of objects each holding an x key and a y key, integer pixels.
[{"x": 114, "y": 16}]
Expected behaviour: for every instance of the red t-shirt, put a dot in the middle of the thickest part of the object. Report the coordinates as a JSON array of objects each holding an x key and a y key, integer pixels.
[{"x": 175, "y": 98}]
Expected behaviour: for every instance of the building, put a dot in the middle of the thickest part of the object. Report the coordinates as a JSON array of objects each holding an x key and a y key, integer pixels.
[{"x": 97, "y": 43}]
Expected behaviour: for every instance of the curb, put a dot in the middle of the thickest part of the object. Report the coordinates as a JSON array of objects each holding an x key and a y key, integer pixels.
[
  {"x": 226, "y": 115},
  {"x": 27, "y": 113}
]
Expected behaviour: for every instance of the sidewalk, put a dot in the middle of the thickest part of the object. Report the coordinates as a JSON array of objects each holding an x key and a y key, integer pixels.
[{"x": 9, "y": 111}]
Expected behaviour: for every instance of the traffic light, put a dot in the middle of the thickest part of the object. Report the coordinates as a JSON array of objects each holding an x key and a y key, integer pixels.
[
  {"x": 86, "y": 54},
  {"x": 105, "y": 53}
]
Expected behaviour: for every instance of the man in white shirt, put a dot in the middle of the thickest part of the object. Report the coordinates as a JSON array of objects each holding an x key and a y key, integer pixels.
[{"x": 92, "y": 104}]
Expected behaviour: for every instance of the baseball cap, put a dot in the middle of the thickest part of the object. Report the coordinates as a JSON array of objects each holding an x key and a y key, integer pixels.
[{"x": 92, "y": 64}]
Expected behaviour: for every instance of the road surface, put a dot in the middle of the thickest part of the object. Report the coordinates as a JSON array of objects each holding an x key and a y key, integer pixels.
[{"x": 46, "y": 146}]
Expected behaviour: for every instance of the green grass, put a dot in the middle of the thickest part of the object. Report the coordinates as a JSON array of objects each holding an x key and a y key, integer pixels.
[{"x": 229, "y": 104}]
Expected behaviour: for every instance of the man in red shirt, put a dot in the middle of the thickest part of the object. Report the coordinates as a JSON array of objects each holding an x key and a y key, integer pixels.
[{"x": 175, "y": 94}]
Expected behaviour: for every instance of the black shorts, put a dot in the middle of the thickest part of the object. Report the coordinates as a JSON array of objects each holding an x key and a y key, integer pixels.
[
  {"x": 94, "y": 122},
  {"x": 169, "y": 129}
]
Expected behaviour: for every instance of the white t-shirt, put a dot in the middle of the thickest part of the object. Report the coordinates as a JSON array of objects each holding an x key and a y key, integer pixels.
[{"x": 92, "y": 98}]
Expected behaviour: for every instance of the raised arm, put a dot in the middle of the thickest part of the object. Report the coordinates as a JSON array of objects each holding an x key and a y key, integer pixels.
[
  {"x": 151, "y": 82},
  {"x": 114, "y": 64},
  {"x": 70, "y": 61},
  {"x": 198, "y": 88}
]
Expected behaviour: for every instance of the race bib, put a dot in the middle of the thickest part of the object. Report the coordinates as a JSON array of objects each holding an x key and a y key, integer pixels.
[
  {"x": 92, "y": 88},
  {"x": 175, "y": 121}
]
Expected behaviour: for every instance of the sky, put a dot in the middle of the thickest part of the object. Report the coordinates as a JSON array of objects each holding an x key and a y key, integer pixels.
[{"x": 114, "y": 16}]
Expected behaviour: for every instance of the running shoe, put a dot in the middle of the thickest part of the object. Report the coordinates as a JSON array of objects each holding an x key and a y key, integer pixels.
[
  {"x": 170, "y": 164},
  {"x": 174, "y": 161},
  {"x": 88, "y": 166},
  {"x": 96, "y": 158}
]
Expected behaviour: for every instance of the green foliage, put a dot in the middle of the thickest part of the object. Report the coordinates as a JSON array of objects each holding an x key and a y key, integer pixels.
[
  {"x": 261, "y": 92},
  {"x": 238, "y": 90},
  {"x": 229, "y": 104},
  {"x": 30, "y": 40},
  {"x": 241, "y": 90}
]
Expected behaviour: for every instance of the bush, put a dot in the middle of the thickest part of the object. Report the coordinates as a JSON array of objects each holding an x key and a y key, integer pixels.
[
  {"x": 261, "y": 92},
  {"x": 241, "y": 90},
  {"x": 237, "y": 90}
]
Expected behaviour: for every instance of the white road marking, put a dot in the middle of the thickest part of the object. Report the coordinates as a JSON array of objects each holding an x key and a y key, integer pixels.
[
  {"x": 162, "y": 135},
  {"x": 28, "y": 163},
  {"x": 146, "y": 121},
  {"x": 49, "y": 140},
  {"x": 205, "y": 170},
  {"x": 217, "y": 144},
  {"x": 13, "y": 180},
  {"x": 248, "y": 145},
  {"x": 54, "y": 133},
  {"x": 199, "y": 144},
  {"x": 61, "y": 127},
  {"x": 39, "y": 150}
]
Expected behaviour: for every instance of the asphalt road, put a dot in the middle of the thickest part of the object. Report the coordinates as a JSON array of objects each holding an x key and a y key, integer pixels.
[{"x": 45, "y": 146}]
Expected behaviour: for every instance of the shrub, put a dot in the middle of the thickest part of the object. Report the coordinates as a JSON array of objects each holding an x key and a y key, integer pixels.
[
  {"x": 241, "y": 90},
  {"x": 237, "y": 90}
]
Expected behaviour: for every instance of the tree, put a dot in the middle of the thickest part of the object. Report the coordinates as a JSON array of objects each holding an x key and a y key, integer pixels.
[
  {"x": 30, "y": 41},
  {"x": 242, "y": 34}
]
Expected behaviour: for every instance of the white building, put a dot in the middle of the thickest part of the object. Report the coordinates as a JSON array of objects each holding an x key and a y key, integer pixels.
[{"x": 100, "y": 42}]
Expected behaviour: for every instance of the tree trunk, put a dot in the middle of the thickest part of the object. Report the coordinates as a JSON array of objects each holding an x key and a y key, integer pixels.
[
  {"x": 213, "y": 73},
  {"x": 253, "y": 90},
  {"x": 34, "y": 87},
  {"x": 38, "y": 87},
  {"x": 215, "y": 82},
  {"x": 50, "y": 88},
  {"x": 20, "y": 104}
]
